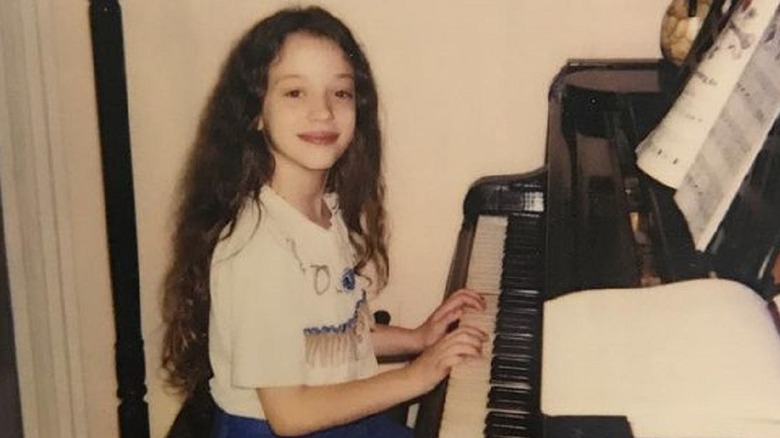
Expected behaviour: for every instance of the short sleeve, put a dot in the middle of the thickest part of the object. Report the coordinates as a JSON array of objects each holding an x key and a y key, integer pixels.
[{"x": 266, "y": 333}]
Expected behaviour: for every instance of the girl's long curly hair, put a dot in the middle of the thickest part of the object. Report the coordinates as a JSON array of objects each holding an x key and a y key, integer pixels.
[{"x": 231, "y": 160}]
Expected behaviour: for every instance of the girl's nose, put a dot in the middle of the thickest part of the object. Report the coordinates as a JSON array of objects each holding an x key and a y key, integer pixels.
[{"x": 321, "y": 108}]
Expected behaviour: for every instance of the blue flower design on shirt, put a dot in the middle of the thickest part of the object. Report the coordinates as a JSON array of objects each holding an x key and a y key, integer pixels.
[{"x": 348, "y": 280}]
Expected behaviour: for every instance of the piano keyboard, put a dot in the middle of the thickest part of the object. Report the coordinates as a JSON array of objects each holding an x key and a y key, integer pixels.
[{"x": 498, "y": 395}]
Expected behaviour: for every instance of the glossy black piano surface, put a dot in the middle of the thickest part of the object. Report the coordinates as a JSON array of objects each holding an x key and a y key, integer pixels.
[
  {"x": 606, "y": 223},
  {"x": 609, "y": 225}
]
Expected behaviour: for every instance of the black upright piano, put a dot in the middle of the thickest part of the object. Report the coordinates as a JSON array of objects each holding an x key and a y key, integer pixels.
[{"x": 589, "y": 219}]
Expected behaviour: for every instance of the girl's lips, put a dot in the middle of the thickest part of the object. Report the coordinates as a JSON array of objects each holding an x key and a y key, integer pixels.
[{"x": 325, "y": 137}]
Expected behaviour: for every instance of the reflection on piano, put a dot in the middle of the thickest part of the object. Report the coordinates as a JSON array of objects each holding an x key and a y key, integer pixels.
[{"x": 588, "y": 219}]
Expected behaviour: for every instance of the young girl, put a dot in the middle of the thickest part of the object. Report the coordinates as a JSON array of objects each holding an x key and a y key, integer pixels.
[{"x": 280, "y": 235}]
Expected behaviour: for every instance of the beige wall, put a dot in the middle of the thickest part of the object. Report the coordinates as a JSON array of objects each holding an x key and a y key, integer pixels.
[{"x": 463, "y": 87}]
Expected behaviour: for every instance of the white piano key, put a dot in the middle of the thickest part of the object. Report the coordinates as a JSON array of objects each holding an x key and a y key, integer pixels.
[{"x": 487, "y": 252}]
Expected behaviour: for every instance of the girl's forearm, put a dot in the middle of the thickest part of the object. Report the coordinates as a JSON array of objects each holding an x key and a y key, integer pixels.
[
  {"x": 300, "y": 410},
  {"x": 396, "y": 341},
  {"x": 296, "y": 410}
]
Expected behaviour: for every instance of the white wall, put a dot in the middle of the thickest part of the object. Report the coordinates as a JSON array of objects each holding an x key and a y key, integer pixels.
[{"x": 463, "y": 87}]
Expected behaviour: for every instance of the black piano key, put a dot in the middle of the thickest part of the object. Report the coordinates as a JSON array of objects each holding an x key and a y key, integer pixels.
[
  {"x": 514, "y": 339},
  {"x": 518, "y": 359},
  {"x": 521, "y": 311},
  {"x": 515, "y": 326},
  {"x": 512, "y": 420},
  {"x": 530, "y": 297},
  {"x": 509, "y": 405},
  {"x": 506, "y": 344},
  {"x": 521, "y": 282},
  {"x": 514, "y": 310},
  {"x": 513, "y": 351},
  {"x": 527, "y": 315},
  {"x": 520, "y": 294},
  {"x": 532, "y": 272},
  {"x": 517, "y": 364},
  {"x": 521, "y": 373},
  {"x": 511, "y": 361},
  {"x": 517, "y": 309},
  {"x": 510, "y": 399},
  {"x": 511, "y": 307},
  {"x": 510, "y": 377},
  {"x": 512, "y": 395},
  {"x": 511, "y": 364},
  {"x": 513, "y": 377},
  {"x": 519, "y": 277},
  {"x": 511, "y": 424}
]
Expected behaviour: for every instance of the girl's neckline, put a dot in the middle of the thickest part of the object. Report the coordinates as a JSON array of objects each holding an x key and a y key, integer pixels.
[{"x": 288, "y": 209}]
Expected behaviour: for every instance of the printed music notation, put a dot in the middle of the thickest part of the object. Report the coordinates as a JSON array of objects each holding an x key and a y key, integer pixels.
[{"x": 707, "y": 142}]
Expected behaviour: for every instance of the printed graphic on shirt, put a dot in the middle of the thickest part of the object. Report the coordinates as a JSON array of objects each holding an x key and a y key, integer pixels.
[
  {"x": 334, "y": 345},
  {"x": 348, "y": 280}
]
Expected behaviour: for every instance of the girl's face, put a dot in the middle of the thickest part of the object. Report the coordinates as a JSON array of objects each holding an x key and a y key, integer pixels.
[{"x": 309, "y": 108}]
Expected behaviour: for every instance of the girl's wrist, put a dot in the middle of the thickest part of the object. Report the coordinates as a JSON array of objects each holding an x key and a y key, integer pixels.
[
  {"x": 419, "y": 339},
  {"x": 415, "y": 377}
]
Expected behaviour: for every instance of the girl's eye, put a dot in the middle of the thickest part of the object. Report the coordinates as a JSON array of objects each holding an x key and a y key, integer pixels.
[
  {"x": 293, "y": 93},
  {"x": 345, "y": 94}
]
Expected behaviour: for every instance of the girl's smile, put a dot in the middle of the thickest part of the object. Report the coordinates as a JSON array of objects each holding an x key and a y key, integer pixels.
[{"x": 319, "y": 137}]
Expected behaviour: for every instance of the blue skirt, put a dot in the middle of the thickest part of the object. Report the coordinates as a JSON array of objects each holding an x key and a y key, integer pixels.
[{"x": 376, "y": 426}]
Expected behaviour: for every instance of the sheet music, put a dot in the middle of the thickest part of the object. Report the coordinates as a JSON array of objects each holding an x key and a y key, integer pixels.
[
  {"x": 733, "y": 142},
  {"x": 671, "y": 148}
]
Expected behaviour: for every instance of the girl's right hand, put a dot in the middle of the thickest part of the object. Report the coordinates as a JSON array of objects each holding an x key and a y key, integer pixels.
[{"x": 435, "y": 363}]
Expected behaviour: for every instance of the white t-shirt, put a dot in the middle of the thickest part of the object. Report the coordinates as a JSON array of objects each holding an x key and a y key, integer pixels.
[{"x": 286, "y": 306}]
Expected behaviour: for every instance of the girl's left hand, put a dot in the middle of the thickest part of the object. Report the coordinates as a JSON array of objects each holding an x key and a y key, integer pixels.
[{"x": 435, "y": 327}]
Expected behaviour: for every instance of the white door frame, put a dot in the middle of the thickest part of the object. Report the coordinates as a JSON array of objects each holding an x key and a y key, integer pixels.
[{"x": 37, "y": 225}]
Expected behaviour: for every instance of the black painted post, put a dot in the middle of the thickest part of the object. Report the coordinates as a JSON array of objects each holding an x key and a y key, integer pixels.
[{"x": 111, "y": 87}]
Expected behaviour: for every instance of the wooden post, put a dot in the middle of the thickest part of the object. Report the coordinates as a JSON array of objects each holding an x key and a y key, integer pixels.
[{"x": 111, "y": 87}]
